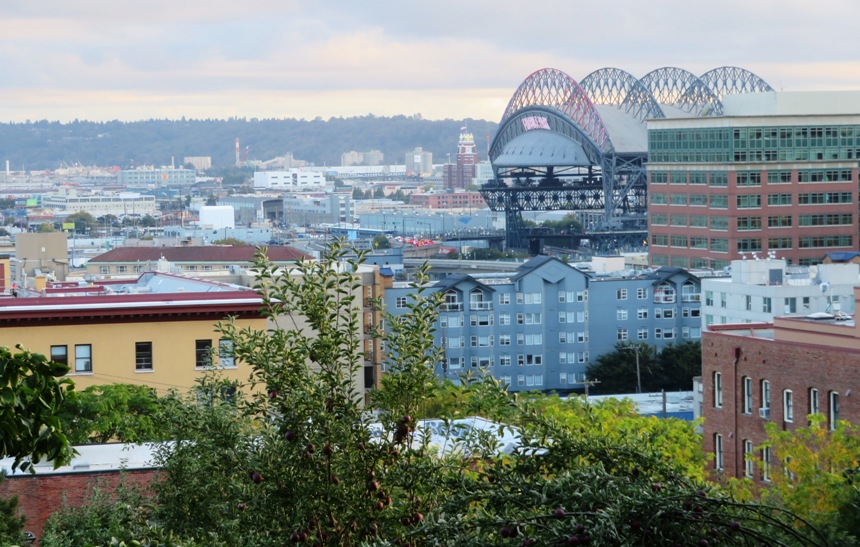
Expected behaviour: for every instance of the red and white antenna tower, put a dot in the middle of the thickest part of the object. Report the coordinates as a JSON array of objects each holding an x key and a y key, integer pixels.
[{"x": 238, "y": 160}]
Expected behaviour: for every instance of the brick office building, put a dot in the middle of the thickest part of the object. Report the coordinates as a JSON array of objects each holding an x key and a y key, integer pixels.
[
  {"x": 780, "y": 372},
  {"x": 776, "y": 172}
]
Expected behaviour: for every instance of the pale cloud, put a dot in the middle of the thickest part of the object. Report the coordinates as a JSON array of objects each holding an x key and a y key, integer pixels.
[{"x": 102, "y": 59}]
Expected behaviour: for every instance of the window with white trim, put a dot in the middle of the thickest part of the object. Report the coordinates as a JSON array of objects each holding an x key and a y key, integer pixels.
[
  {"x": 787, "y": 405},
  {"x": 765, "y": 464},
  {"x": 718, "y": 390},
  {"x": 718, "y": 451},
  {"x": 833, "y": 409},
  {"x": 814, "y": 404},
  {"x": 748, "y": 458},
  {"x": 83, "y": 358}
]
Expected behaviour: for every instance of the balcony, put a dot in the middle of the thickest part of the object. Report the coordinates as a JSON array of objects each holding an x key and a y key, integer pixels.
[
  {"x": 691, "y": 297},
  {"x": 452, "y": 306},
  {"x": 664, "y": 297},
  {"x": 480, "y": 306}
]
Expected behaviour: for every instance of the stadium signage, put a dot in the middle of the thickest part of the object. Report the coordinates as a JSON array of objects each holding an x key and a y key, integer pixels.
[{"x": 535, "y": 122}]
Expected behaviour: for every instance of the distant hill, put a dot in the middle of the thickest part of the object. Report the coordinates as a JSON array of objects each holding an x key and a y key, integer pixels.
[{"x": 49, "y": 145}]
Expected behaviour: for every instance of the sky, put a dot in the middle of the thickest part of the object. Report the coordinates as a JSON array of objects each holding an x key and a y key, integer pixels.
[{"x": 104, "y": 60}]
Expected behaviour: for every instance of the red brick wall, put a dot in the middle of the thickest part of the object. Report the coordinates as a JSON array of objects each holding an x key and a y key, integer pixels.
[
  {"x": 786, "y": 365},
  {"x": 41, "y": 495}
]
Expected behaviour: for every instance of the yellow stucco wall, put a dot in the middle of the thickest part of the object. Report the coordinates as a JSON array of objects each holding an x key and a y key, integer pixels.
[{"x": 113, "y": 350}]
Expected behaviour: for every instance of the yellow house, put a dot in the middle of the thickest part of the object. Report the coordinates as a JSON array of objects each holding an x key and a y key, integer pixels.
[{"x": 158, "y": 330}]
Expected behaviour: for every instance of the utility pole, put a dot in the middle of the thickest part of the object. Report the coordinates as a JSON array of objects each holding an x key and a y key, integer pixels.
[
  {"x": 635, "y": 348},
  {"x": 588, "y": 383}
]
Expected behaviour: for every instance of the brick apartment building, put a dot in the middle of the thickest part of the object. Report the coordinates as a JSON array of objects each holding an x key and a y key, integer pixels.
[
  {"x": 781, "y": 372},
  {"x": 777, "y": 172}
]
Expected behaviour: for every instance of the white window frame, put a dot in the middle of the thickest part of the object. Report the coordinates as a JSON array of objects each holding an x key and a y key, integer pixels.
[{"x": 718, "y": 389}]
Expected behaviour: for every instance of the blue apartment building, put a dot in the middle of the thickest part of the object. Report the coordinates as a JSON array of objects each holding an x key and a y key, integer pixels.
[{"x": 538, "y": 328}]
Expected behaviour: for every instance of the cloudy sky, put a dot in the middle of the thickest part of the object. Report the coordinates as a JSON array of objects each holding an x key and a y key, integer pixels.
[{"x": 105, "y": 60}]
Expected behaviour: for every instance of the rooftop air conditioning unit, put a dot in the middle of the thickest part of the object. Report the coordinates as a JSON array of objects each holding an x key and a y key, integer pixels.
[{"x": 764, "y": 413}]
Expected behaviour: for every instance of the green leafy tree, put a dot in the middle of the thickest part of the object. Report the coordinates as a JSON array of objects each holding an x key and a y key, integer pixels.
[
  {"x": 11, "y": 521},
  {"x": 298, "y": 455},
  {"x": 84, "y": 222},
  {"x": 148, "y": 221},
  {"x": 110, "y": 515},
  {"x": 678, "y": 364},
  {"x": 616, "y": 370},
  {"x": 31, "y": 397},
  {"x": 232, "y": 241},
  {"x": 816, "y": 477},
  {"x": 569, "y": 224},
  {"x": 113, "y": 412},
  {"x": 381, "y": 242}
]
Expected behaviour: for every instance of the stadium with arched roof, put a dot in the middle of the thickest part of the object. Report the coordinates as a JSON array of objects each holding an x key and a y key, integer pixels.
[{"x": 582, "y": 146}]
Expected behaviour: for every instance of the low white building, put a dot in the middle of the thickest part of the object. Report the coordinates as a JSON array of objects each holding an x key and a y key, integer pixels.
[
  {"x": 120, "y": 205},
  {"x": 217, "y": 217},
  {"x": 292, "y": 179},
  {"x": 759, "y": 290}
]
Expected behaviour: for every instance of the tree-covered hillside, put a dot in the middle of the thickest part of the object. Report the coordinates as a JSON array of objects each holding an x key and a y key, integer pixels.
[{"x": 49, "y": 145}]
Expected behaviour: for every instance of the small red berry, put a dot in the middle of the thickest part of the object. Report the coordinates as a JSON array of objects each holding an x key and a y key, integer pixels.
[
  {"x": 559, "y": 513},
  {"x": 328, "y": 450},
  {"x": 373, "y": 486}
]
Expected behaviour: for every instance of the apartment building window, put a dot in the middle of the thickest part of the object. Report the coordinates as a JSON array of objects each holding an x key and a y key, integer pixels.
[
  {"x": 621, "y": 334},
  {"x": 718, "y": 390},
  {"x": 621, "y": 314},
  {"x": 504, "y": 360},
  {"x": 748, "y": 300},
  {"x": 642, "y": 313},
  {"x": 833, "y": 411},
  {"x": 400, "y": 302},
  {"x": 143, "y": 356},
  {"x": 814, "y": 405},
  {"x": 765, "y": 464},
  {"x": 504, "y": 319},
  {"x": 747, "y": 395},
  {"x": 766, "y": 304},
  {"x": 225, "y": 353},
  {"x": 504, "y": 339},
  {"x": 60, "y": 354},
  {"x": 504, "y": 298},
  {"x": 642, "y": 294},
  {"x": 621, "y": 294},
  {"x": 202, "y": 353},
  {"x": 83, "y": 358},
  {"x": 787, "y": 406},
  {"x": 748, "y": 458},
  {"x": 718, "y": 451},
  {"x": 765, "y": 394},
  {"x": 642, "y": 333}
]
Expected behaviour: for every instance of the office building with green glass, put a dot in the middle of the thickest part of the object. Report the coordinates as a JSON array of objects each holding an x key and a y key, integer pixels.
[{"x": 776, "y": 174}]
